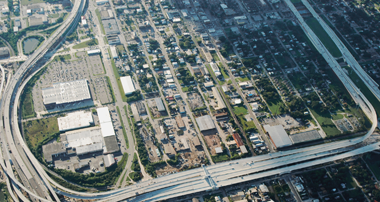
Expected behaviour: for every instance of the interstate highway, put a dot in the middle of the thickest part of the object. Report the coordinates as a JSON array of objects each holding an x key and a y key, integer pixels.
[{"x": 186, "y": 182}]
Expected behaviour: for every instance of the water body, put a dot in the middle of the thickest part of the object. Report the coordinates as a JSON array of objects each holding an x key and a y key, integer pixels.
[{"x": 30, "y": 44}]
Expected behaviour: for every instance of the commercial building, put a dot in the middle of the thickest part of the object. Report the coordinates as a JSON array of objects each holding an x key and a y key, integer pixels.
[
  {"x": 114, "y": 52},
  {"x": 75, "y": 120},
  {"x": 60, "y": 94},
  {"x": 278, "y": 135},
  {"x": 218, "y": 99},
  {"x": 109, "y": 160},
  {"x": 179, "y": 121},
  {"x": 52, "y": 150},
  {"x": 128, "y": 86},
  {"x": 108, "y": 131},
  {"x": 4, "y": 52},
  {"x": 215, "y": 69},
  {"x": 110, "y": 27},
  {"x": 205, "y": 123},
  {"x": 93, "y": 52},
  {"x": 159, "y": 104}
]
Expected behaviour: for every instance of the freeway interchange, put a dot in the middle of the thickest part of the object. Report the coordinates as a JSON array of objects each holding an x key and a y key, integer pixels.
[{"x": 41, "y": 187}]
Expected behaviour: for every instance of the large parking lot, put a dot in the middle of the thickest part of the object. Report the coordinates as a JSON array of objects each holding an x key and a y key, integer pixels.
[{"x": 90, "y": 68}]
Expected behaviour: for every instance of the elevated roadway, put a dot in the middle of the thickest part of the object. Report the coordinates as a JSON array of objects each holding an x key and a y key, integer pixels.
[{"x": 183, "y": 183}]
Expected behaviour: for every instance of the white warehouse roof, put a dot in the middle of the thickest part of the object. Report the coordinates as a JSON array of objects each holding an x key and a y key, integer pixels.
[
  {"x": 278, "y": 136},
  {"x": 75, "y": 120},
  {"x": 104, "y": 115},
  {"x": 127, "y": 83},
  {"x": 93, "y": 52},
  {"x": 107, "y": 129}
]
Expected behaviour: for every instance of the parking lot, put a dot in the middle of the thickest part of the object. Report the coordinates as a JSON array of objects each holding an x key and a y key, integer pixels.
[{"x": 89, "y": 67}]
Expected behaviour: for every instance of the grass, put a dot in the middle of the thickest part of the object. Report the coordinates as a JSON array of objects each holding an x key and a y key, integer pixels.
[
  {"x": 26, "y": 2},
  {"x": 4, "y": 193},
  {"x": 275, "y": 105},
  {"x": 337, "y": 116},
  {"x": 343, "y": 176},
  {"x": 185, "y": 89},
  {"x": 240, "y": 111},
  {"x": 36, "y": 131},
  {"x": 27, "y": 107},
  {"x": 326, "y": 123},
  {"x": 86, "y": 44},
  {"x": 111, "y": 89},
  {"x": 324, "y": 37},
  {"x": 62, "y": 58},
  {"x": 220, "y": 158},
  {"x": 122, "y": 125},
  {"x": 373, "y": 162},
  {"x": 215, "y": 56},
  {"x": 100, "y": 20},
  {"x": 365, "y": 90},
  {"x": 243, "y": 79},
  {"x": 54, "y": 15}
]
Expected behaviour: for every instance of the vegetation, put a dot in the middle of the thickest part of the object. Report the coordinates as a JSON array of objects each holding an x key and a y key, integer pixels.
[
  {"x": 39, "y": 132},
  {"x": 107, "y": 178},
  {"x": 123, "y": 128},
  {"x": 324, "y": 37},
  {"x": 85, "y": 44},
  {"x": 186, "y": 76},
  {"x": 4, "y": 193},
  {"x": 66, "y": 184},
  {"x": 135, "y": 176}
]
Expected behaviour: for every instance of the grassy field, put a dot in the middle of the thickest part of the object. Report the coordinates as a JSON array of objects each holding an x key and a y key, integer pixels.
[
  {"x": 86, "y": 44},
  {"x": 325, "y": 121},
  {"x": 4, "y": 194},
  {"x": 365, "y": 90},
  {"x": 275, "y": 107},
  {"x": 215, "y": 56},
  {"x": 373, "y": 162},
  {"x": 100, "y": 20},
  {"x": 26, "y": 2},
  {"x": 337, "y": 116},
  {"x": 240, "y": 111},
  {"x": 324, "y": 37},
  {"x": 243, "y": 79},
  {"x": 38, "y": 130},
  {"x": 27, "y": 107},
  {"x": 54, "y": 15}
]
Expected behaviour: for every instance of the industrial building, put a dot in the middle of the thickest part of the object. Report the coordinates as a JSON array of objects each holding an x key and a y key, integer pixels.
[
  {"x": 179, "y": 121},
  {"x": 93, "y": 52},
  {"x": 215, "y": 69},
  {"x": 75, "y": 120},
  {"x": 159, "y": 104},
  {"x": 110, "y": 27},
  {"x": 4, "y": 52},
  {"x": 218, "y": 99},
  {"x": 128, "y": 86},
  {"x": 53, "y": 150},
  {"x": 61, "y": 94},
  {"x": 205, "y": 123},
  {"x": 278, "y": 136},
  {"x": 108, "y": 131},
  {"x": 109, "y": 160}
]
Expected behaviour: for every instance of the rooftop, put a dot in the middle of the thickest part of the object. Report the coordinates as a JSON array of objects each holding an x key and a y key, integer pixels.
[
  {"x": 127, "y": 83},
  {"x": 205, "y": 123},
  {"x": 75, "y": 120},
  {"x": 278, "y": 135},
  {"x": 159, "y": 104},
  {"x": 67, "y": 92}
]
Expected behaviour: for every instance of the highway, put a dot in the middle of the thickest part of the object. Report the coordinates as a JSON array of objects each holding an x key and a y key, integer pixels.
[
  {"x": 348, "y": 57},
  {"x": 192, "y": 181}
]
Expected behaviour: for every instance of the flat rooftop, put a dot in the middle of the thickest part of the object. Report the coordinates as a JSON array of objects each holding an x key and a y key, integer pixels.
[
  {"x": 278, "y": 135},
  {"x": 67, "y": 92},
  {"x": 305, "y": 136},
  {"x": 75, "y": 120},
  {"x": 205, "y": 123}
]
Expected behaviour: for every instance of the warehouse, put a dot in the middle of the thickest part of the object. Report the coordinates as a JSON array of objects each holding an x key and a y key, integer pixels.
[
  {"x": 107, "y": 130},
  {"x": 179, "y": 121},
  {"x": 215, "y": 69},
  {"x": 75, "y": 120},
  {"x": 205, "y": 123},
  {"x": 61, "y": 94},
  {"x": 109, "y": 160},
  {"x": 93, "y": 52},
  {"x": 278, "y": 136},
  {"x": 127, "y": 83},
  {"x": 218, "y": 99},
  {"x": 52, "y": 150},
  {"x": 159, "y": 104},
  {"x": 110, "y": 27},
  {"x": 114, "y": 52},
  {"x": 82, "y": 137}
]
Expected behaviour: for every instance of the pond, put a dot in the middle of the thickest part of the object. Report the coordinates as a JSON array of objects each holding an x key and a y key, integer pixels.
[{"x": 30, "y": 44}]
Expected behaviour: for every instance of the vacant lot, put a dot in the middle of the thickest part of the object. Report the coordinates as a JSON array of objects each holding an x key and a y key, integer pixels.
[
  {"x": 38, "y": 130},
  {"x": 85, "y": 44},
  {"x": 324, "y": 37}
]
